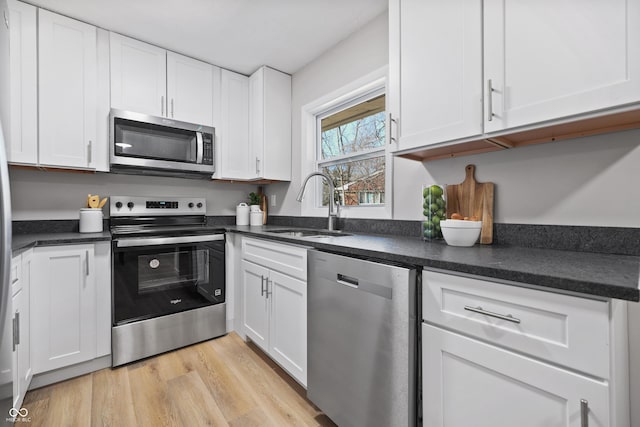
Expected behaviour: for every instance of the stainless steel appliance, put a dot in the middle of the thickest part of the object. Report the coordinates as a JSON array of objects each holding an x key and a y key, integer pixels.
[
  {"x": 362, "y": 332},
  {"x": 7, "y": 321},
  {"x": 142, "y": 144},
  {"x": 168, "y": 276}
]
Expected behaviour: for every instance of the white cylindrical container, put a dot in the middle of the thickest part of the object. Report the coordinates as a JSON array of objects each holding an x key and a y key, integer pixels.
[
  {"x": 256, "y": 218},
  {"x": 242, "y": 214},
  {"x": 91, "y": 220}
]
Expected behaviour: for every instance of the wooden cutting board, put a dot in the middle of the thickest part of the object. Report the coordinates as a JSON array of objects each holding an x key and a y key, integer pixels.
[{"x": 471, "y": 198}]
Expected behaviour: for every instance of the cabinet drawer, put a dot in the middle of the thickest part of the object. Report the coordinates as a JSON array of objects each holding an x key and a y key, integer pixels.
[
  {"x": 16, "y": 274},
  {"x": 288, "y": 259},
  {"x": 563, "y": 329}
]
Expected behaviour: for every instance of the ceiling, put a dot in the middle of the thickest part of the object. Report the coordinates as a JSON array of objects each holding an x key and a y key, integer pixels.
[{"x": 240, "y": 35}]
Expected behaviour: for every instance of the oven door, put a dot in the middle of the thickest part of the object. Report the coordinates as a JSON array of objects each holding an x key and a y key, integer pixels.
[{"x": 157, "y": 276}]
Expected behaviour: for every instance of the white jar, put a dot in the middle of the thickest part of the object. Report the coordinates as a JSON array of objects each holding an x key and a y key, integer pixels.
[
  {"x": 242, "y": 214},
  {"x": 256, "y": 218},
  {"x": 91, "y": 220}
]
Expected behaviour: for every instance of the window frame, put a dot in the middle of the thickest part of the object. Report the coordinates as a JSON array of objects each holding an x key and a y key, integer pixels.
[{"x": 369, "y": 86}]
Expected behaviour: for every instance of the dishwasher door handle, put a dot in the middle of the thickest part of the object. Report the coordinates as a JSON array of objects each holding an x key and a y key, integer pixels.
[{"x": 352, "y": 282}]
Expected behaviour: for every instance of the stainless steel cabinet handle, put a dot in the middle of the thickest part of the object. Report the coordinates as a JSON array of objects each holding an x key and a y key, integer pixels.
[
  {"x": 479, "y": 310},
  {"x": 6, "y": 19},
  {"x": 391, "y": 122},
  {"x": 261, "y": 286},
  {"x": 16, "y": 330},
  {"x": 257, "y": 165},
  {"x": 489, "y": 101},
  {"x": 86, "y": 261},
  {"x": 90, "y": 152},
  {"x": 584, "y": 413},
  {"x": 162, "y": 105},
  {"x": 171, "y": 107},
  {"x": 268, "y": 292}
]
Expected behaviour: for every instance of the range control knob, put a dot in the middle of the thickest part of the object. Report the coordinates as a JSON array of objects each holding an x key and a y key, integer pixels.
[
  {"x": 199, "y": 205},
  {"x": 190, "y": 204},
  {"x": 118, "y": 205},
  {"x": 130, "y": 205}
]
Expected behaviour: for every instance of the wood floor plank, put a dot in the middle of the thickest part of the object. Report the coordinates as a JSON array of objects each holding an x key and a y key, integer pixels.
[
  {"x": 70, "y": 404},
  {"x": 112, "y": 403},
  {"x": 191, "y": 402},
  {"x": 221, "y": 382},
  {"x": 149, "y": 396},
  {"x": 223, "y": 385},
  {"x": 279, "y": 402}
]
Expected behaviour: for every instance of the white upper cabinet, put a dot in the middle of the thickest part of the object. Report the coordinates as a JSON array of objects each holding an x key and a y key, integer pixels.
[
  {"x": 232, "y": 132},
  {"x": 476, "y": 75},
  {"x": 67, "y": 91},
  {"x": 189, "y": 89},
  {"x": 138, "y": 76},
  {"x": 543, "y": 65},
  {"x": 270, "y": 123},
  {"x": 22, "y": 145},
  {"x": 150, "y": 80},
  {"x": 439, "y": 81}
]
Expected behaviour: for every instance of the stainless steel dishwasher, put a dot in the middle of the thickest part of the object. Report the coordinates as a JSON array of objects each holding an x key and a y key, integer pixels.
[{"x": 362, "y": 332}]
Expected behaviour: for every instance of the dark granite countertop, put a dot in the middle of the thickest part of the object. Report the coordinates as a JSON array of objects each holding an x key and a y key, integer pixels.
[
  {"x": 605, "y": 275},
  {"x": 21, "y": 242}
]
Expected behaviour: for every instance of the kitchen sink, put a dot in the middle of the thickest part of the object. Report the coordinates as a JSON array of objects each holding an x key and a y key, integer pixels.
[{"x": 309, "y": 233}]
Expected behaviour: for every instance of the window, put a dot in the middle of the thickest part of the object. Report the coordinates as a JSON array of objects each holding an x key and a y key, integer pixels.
[{"x": 351, "y": 150}]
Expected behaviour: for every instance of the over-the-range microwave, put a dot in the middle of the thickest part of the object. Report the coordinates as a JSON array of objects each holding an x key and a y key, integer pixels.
[{"x": 143, "y": 144}]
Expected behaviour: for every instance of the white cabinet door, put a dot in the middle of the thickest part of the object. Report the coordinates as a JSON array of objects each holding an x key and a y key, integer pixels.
[
  {"x": 545, "y": 65},
  {"x": 255, "y": 305},
  {"x": 26, "y": 371},
  {"x": 288, "y": 332},
  {"x": 22, "y": 144},
  {"x": 232, "y": 134},
  {"x": 63, "y": 304},
  {"x": 138, "y": 76},
  {"x": 18, "y": 357},
  {"x": 67, "y": 91},
  {"x": 189, "y": 89},
  {"x": 270, "y": 123},
  {"x": 440, "y": 71},
  {"x": 470, "y": 383}
]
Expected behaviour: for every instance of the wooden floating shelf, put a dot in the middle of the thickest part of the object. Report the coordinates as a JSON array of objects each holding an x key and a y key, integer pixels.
[{"x": 568, "y": 130}]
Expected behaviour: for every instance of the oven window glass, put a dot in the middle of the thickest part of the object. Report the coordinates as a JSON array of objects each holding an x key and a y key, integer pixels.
[
  {"x": 171, "y": 270},
  {"x": 150, "y": 141},
  {"x": 154, "y": 281}
]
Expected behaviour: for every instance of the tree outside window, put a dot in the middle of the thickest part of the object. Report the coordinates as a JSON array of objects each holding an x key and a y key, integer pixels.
[{"x": 352, "y": 153}]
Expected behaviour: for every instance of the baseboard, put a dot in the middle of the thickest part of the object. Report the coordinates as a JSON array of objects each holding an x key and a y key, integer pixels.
[{"x": 55, "y": 376}]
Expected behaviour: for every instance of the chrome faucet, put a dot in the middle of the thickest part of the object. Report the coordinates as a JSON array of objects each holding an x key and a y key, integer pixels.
[{"x": 334, "y": 209}]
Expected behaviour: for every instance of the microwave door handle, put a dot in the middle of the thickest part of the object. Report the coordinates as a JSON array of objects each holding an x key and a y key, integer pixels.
[{"x": 199, "y": 147}]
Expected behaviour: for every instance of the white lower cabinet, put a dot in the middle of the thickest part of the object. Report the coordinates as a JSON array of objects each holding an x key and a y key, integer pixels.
[
  {"x": 70, "y": 314},
  {"x": 20, "y": 286},
  {"x": 470, "y": 383},
  {"x": 274, "y": 309},
  {"x": 497, "y": 355}
]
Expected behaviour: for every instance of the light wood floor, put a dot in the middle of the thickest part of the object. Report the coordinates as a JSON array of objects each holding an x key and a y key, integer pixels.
[{"x": 222, "y": 382}]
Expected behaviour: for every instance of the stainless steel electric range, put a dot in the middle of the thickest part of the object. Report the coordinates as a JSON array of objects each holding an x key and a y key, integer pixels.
[{"x": 168, "y": 276}]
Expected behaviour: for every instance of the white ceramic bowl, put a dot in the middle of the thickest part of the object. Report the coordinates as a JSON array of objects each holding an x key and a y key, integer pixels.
[{"x": 457, "y": 232}]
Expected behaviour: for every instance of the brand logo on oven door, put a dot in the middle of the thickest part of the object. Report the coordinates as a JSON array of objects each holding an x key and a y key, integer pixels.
[{"x": 176, "y": 301}]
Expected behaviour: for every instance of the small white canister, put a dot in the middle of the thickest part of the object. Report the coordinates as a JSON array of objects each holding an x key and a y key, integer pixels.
[
  {"x": 91, "y": 220},
  {"x": 256, "y": 218},
  {"x": 242, "y": 214}
]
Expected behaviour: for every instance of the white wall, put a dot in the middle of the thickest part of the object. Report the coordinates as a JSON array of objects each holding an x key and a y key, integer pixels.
[
  {"x": 586, "y": 181},
  {"x": 363, "y": 52},
  {"x": 60, "y": 195}
]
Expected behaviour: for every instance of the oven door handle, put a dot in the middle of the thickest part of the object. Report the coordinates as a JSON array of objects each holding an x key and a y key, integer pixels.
[{"x": 156, "y": 241}]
